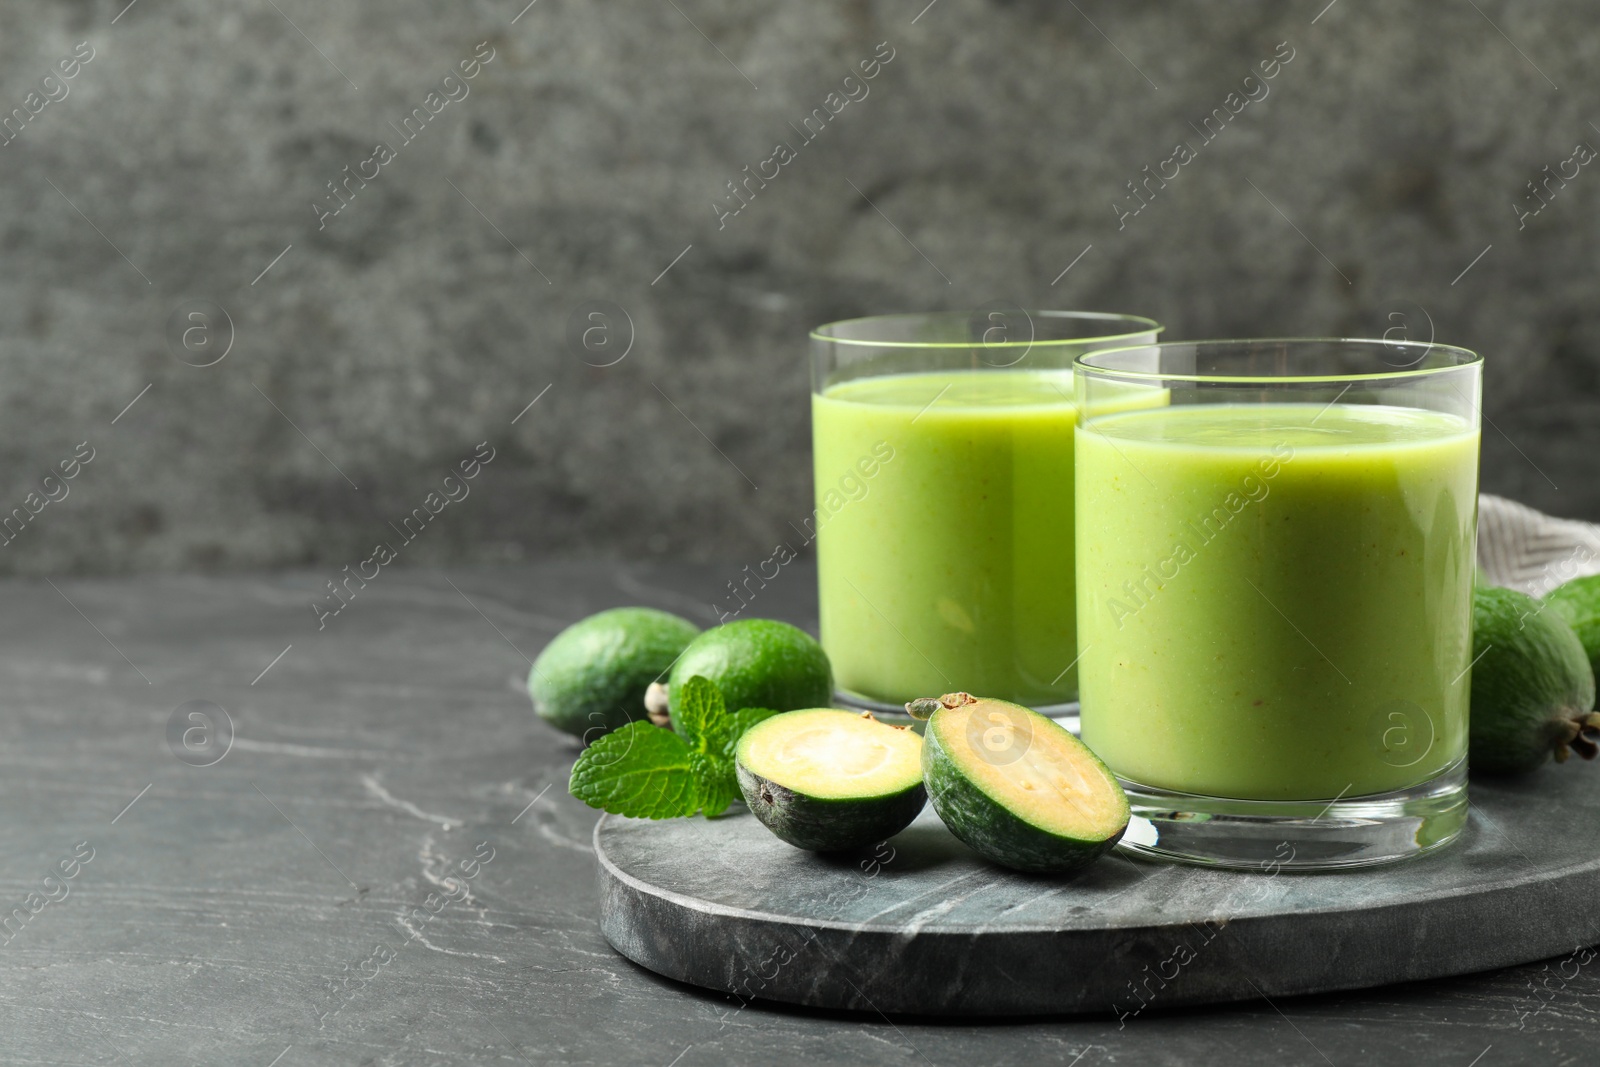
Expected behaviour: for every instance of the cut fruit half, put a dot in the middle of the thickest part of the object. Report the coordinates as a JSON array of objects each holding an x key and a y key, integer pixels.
[
  {"x": 1016, "y": 787},
  {"x": 828, "y": 780}
]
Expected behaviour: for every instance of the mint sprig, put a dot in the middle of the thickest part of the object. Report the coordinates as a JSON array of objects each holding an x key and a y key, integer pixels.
[{"x": 645, "y": 771}]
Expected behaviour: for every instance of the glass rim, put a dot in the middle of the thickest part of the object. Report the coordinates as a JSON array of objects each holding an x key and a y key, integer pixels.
[
  {"x": 1472, "y": 359},
  {"x": 1148, "y": 325}
]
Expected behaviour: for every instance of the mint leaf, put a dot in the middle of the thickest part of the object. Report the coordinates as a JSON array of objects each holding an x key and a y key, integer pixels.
[
  {"x": 717, "y": 782},
  {"x": 701, "y": 718},
  {"x": 640, "y": 770},
  {"x": 697, "y": 711},
  {"x": 735, "y": 724},
  {"x": 647, "y": 772}
]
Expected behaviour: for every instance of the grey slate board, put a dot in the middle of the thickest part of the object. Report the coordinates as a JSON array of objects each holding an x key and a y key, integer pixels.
[
  {"x": 207, "y": 927},
  {"x": 922, "y": 925}
]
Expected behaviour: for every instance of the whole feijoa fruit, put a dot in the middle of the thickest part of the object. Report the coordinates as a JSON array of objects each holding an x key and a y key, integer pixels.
[
  {"x": 1532, "y": 686},
  {"x": 758, "y": 663},
  {"x": 591, "y": 678},
  {"x": 1578, "y": 602}
]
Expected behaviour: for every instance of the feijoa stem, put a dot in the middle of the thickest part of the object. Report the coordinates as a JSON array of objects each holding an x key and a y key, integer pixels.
[
  {"x": 923, "y": 707},
  {"x": 655, "y": 704},
  {"x": 1578, "y": 734}
]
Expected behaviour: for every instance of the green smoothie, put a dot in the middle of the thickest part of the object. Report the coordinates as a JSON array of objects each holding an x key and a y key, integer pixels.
[
  {"x": 951, "y": 568},
  {"x": 1275, "y": 600}
]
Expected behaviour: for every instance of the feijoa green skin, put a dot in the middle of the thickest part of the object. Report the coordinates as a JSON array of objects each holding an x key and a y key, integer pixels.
[
  {"x": 1578, "y": 602},
  {"x": 591, "y": 678},
  {"x": 827, "y": 780},
  {"x": 1016, "y": 787},
  {"x": 823, "y": 825},
  {"x": 758, "y": 663},
  {"x": 1533, "y": 689}
]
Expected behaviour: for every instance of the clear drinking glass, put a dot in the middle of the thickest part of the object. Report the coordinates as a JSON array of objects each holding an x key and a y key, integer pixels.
[
  {"x": 943, "y": 448},
  {"x": 1275, "y": 553}
]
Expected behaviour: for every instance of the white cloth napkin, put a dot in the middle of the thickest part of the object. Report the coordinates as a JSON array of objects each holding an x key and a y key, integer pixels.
[{"x": 1524, "y": 549}]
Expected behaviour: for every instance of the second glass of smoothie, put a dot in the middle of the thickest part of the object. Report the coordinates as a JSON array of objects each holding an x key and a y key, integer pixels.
[
  {"x": 943, "y": 451},
  {"x": 1275, "y": 568}
]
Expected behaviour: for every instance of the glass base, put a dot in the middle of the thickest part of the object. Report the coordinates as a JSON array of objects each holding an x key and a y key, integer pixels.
[
  {"x": 1297, "y": 835},
  {"x": 895, "y": 714}
]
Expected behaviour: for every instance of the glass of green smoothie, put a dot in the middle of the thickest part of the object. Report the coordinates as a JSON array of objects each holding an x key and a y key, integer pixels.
[
  {"x": 943, "y": 451},
  {"x": 1275, "y": 566}
]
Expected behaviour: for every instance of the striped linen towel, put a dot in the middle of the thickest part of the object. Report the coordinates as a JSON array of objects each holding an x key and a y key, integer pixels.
[{"x": 1524, "y": 549}]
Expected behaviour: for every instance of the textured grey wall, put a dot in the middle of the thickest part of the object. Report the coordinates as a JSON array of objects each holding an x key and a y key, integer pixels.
[{"x": 587, "y": 155}]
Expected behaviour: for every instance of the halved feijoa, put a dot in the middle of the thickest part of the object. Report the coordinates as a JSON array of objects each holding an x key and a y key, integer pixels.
[
  {"x": 828, "y": 780},
  {"x": 1016, "y": 787}
]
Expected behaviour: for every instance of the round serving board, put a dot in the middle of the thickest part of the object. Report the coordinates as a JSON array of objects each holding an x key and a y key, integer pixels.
[{"x": 921, "y": 925}]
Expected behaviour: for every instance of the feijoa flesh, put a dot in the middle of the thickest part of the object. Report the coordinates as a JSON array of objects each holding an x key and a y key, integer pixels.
[
  {"x": 591, "y": 678},
  {"x": 1532, "y": 686},
  {"x": 1016, "y": 787},
  {"x": 829, "y": 780}
]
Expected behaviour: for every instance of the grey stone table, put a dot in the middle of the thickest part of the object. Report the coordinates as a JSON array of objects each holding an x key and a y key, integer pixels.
[
  {"x": 384, "y": 867},
  {"x": 922, "y": 925}
]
